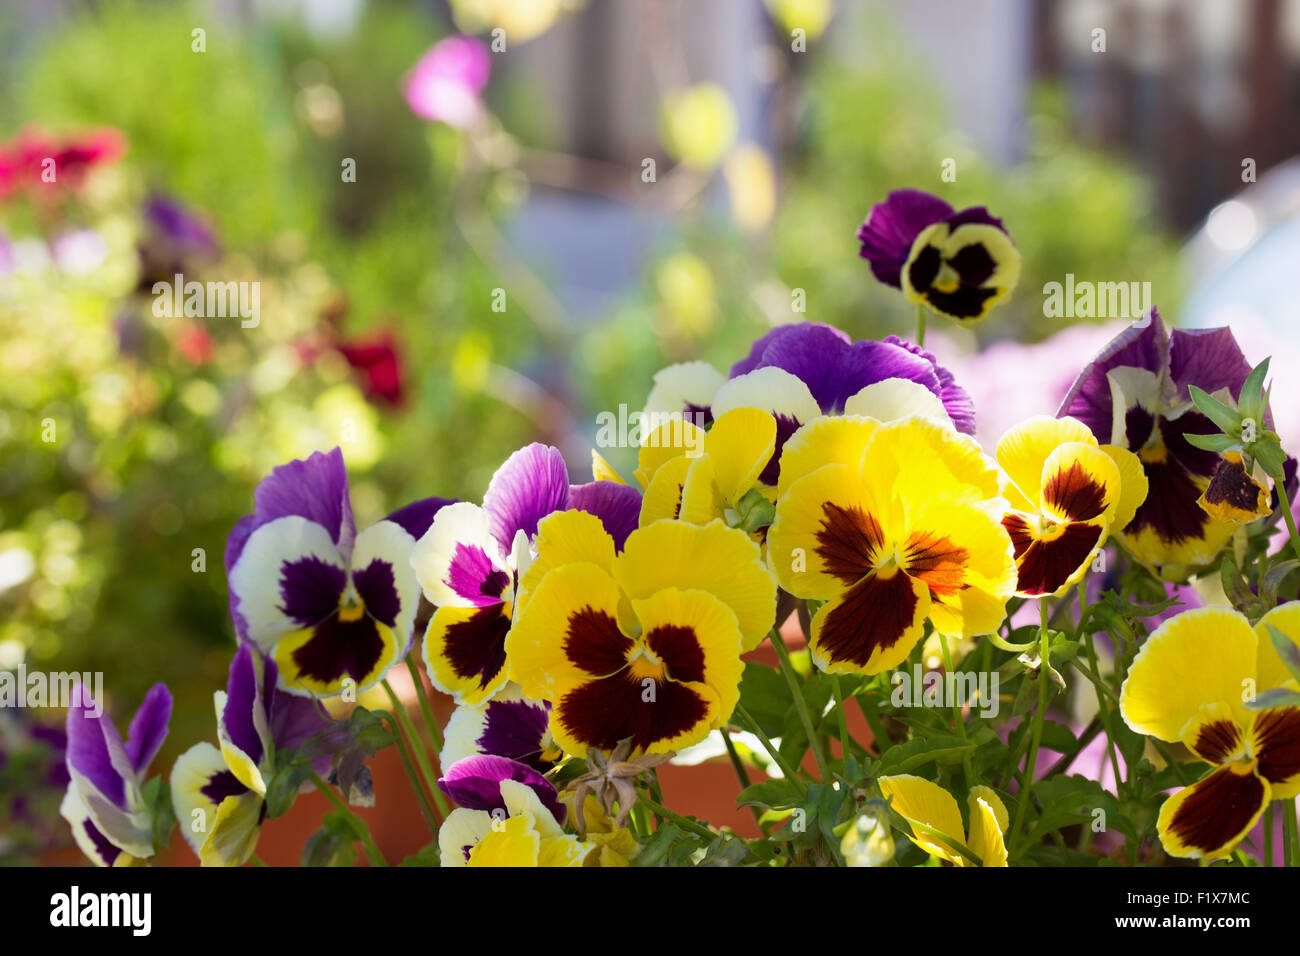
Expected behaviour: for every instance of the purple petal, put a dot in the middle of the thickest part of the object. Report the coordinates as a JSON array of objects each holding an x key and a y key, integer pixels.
[
  {"x": 868, "y": 362},
  {"x": 974, "y": 215},
  {"x": 377, "y": 586},
  {"x": 239, "y": 536},
  {"x": 315, "y": 489},
  {"x": 956, "y": 401},
  {"x": 310, "y": 589},
  {"x": 811, "y": 353},
  {"x": 473, "y": 576},
  {"x": 91, "y": 741},
  {"x": 532, "y": 483},
  {"x": 893, "y": 225},
  {"x": 1142, "y": 345},
  {"x": 241, "y": 699},
  {"x": 515, "y": 729},
  {"x": 1210, "y": 359},
  {"x": 149, "y": 728},
  {"x": 617, "y": 506},
  {"x": 759, "y": 348},
  {"x": 475, "y": 783},
  {"x": 416, "y": 517},
  {"x": 294, "y": 719}
]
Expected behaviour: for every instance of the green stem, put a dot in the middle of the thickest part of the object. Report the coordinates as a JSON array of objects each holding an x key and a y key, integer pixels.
[
  {"x": 417, "y": 746},
  {"x": 920, "y": 323},
  {"x": 1036, "y": 733},
  {"x": 1270, "y": 830},
  {"x": 1103, "y": 709},
  {"x": 958, "y": 719},
  {"x": 372, "y": 851},
  {"x": 845, "y": 740},
  {"x": 1290, "y": 834},
  {"x": 801, "y": 706},
  {"x": 1279, "y": 482},
  {"x": 757, "y": 731},
  {"x": 660, "y": 810},
  {"x": 426, "y": 810},
  {"x": 426, "y": 708},
  {"x": 742, "y": 775}
]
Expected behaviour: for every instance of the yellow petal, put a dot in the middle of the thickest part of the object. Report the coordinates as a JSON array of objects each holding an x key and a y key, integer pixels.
[
  {"x": 602, "y": 470},
  {"x": 740, "y": 444},
  {"x": 1270, "y": 671},
  {"x": 1024, "y": 448},
  {"x": 987, "y": 827},
  {"x": 511, "y": 842},
  {"x": 1208, "y": 819},
  {"x": 663, "y": 496},
  {"x": 667, "y": 441},
  {"x": 1200, "y": 657},
  {"x": 723, "y": 561},
  {"x": 1133, "y": 484},
  {"x": 824, "y": 441},
  {"x": 565, "y": 537},
  {"x": 918, "y": 459},
  {"x": 917, "y": 799},
  {"x": 536, "y": 645}
]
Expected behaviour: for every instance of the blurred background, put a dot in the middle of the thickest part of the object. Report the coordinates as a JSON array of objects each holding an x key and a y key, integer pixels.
[{"x": 465, "y": 245}]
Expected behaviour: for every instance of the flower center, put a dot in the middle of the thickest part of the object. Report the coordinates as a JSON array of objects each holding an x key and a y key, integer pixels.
[
  {"x": 642, "y": 664},
  {"x": 351, "y": 607}
]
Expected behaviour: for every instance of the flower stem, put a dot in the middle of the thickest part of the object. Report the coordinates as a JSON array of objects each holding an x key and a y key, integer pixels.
[
  {"x": 742, "y": 775},
  {"x": 1290, "y": 834},
  {"x": 659, "y": 810},
  {"x": 920, "y": 323},
  {"x": 426, "y": 708},
  {"x": 1036, "y": 731},
  {"x": 845, "y": 740},
  {"x": 800, "y": 705},
  {"x": 790, "y": 773},
  {"x": 426, "y": 810},
  {"x": 1279, "y": 482},
  {"x": 416, "y": 746},
  {"x": 958, "y": 719},
  {"x": 1270, "y": 830},
  {"x": 372, "y": 851}
]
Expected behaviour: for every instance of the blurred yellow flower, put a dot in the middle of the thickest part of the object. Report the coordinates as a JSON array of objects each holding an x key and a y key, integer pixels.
[
  {"x": 698, "y": 125},
  {"x": 686, "y": 290},
  {"x": 751, "y": 184}
]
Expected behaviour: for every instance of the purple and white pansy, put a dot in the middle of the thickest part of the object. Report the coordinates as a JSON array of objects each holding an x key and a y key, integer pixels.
[
  {"x": 104, "y": 804},
  {"x": 218, "y": 793},
  {"x": 472, "y": 558},
  {"x": 333, "y": 608},
  {"x": 800, "y": 371},
  {"x": 509, "y": 725}
]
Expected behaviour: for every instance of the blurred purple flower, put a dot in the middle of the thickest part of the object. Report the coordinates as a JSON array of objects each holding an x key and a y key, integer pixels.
[{"x": 446, "y": 82}]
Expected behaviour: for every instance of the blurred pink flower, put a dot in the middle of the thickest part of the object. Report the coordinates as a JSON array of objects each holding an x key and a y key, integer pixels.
[{"x": 446, "y": 82}]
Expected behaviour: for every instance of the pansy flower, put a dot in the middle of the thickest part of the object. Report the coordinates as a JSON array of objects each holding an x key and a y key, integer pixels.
[
  {"x": 1234, "y": 494},
  {"x": 889, "y": 525},
  {"x": 508, "y": 725},
  {"x": 714, "y": 483},
  {"x": 333, "y": 608},
  {"x": 1065, "y": 493},
  {"x": 644, "y": 644},
  {"x": 800, "y": 371},
  {"x": 507, "y": 822},
  {"x": 1134, "y": 394},
  {"x": 1190, "y": 682},
  {"x": 919, "y": 801},
  {"x": 219, "y": 793},
  {"x": 104, "y": 805},
  {"x": 960, "y": 264},
  {"x": 470, "y": 560}
]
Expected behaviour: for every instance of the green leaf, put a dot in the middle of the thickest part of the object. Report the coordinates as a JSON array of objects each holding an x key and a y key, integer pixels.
[
  {"x": 425, "y": 856},
  {"x": 1277, "y": 697},
  {"x": 1251, "y": 397},
  {"x": 771, "y": 794},
  {"x": 1287, "y": 649},
  {"x": 765, "y": 696},
  {"x": 725, "y": 851},
  {"x": 906, "y": 757},
  {"x": 290, "y": 773},
  {"x": 667, "y": 840},
  {"x": 1228, "y": 419},
  {"x": 332, "y": 844},
  {"x": 157, "y": 796},
  {"x": 1215, "y": 443},
  {"x": 1273, "y": 578}
]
